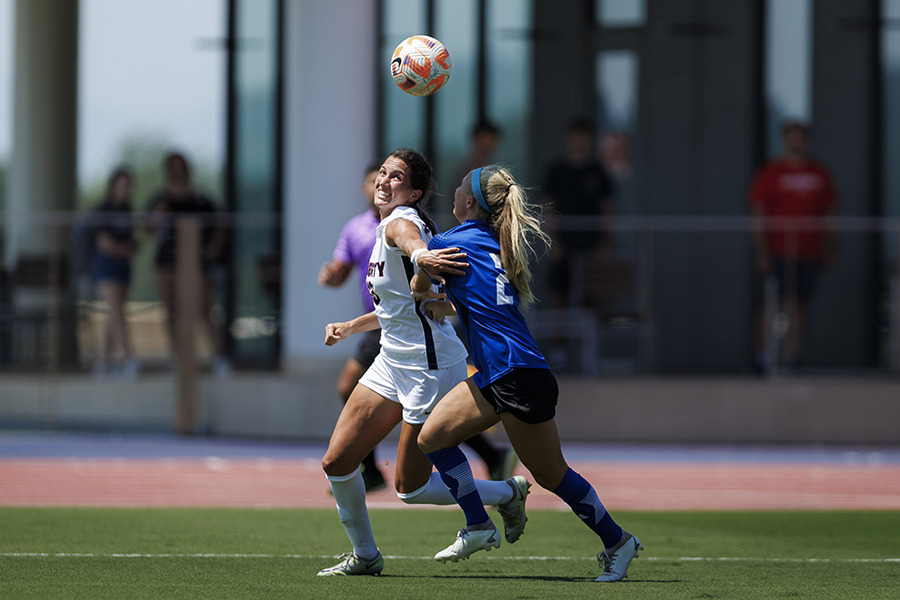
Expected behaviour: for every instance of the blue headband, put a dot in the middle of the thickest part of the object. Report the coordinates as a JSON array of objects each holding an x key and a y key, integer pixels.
[{"x": 476, "y": 189}]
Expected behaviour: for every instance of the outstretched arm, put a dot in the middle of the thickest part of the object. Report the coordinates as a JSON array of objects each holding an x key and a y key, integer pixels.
[
  {"x": 334, "y": 273},
  {"x": 335, "y": 332},
  {"x": 405, "y": 235}
]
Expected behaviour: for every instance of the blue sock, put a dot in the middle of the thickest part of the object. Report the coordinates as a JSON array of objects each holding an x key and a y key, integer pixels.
[
  {"x": 581, "y": 497},
  {"x": 456, "y": 474}
]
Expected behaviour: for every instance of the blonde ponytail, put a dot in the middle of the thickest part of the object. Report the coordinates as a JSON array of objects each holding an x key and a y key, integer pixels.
[{"x": 517, "y": 224}]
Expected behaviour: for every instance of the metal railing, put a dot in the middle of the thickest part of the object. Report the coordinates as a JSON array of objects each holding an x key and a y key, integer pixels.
[
  {"x": 643, "y": 244},
  {"x": 49, "y": 319}
]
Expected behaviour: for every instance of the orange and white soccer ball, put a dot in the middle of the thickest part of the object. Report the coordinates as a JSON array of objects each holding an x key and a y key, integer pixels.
[{"x": 420, "y": 65}]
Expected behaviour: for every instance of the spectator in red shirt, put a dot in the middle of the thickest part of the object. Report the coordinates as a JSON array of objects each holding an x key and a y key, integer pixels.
[{"x": 792, "y": 185}]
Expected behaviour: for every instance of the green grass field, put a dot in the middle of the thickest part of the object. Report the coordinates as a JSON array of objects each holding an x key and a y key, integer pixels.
[{"x": 252, "y": 553}]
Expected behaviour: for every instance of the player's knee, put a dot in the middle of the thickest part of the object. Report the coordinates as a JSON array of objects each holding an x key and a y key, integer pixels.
[
  {"x": 548, "y": 476},
  {"x": 410, "y": 496},
  {"x": 399, "y": 484},
  {"x": 426, "y": 442},
  {"x": 334, "y": 466}
]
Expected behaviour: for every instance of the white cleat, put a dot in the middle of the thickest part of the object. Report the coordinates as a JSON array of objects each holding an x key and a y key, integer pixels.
[
  {"x": 351, "y": 564},
  {"x": 513, "y": 512},
  {"x": 468, "y": 542},
  {"x": 615, "y": 561}
]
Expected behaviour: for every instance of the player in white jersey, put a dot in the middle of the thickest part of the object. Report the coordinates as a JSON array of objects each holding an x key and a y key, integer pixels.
[
  {"x": 409, "y": 339},
  {"x": 421, "y": 359}
]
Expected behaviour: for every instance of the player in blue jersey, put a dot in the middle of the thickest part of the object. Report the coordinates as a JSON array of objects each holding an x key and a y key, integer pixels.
[{"x": 514, "y": 384}]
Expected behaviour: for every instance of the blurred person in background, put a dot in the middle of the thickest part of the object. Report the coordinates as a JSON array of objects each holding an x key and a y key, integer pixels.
[
  {"x": 112, "y": 237},
  {"x": 792, "y": 185},
  {"x": 576, "y": 185},
  {"x": 179, "y": 199},
  {"x": 484, "y": 141}
]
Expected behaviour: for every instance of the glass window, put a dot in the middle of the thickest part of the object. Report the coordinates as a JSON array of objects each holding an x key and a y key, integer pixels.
[
  {"x": 255, "y": 291},
  {"x": 509, "y": 81},
  {"x": 137, "y": 86},
  {"x": 403, "y": 114},
  {"x": 141, "y": 94},
  {"x": 620, "y": 13},
  {"x": 617, "y": 81},
  {"x": 890, "y": 130},
  {"x": 788, "y": 60},
  {"x": 455, "y": 103},
  {"x": 616, "y": 115},
  {"x": 891, "y": 127},
  {"x": 6, "y": 87}
]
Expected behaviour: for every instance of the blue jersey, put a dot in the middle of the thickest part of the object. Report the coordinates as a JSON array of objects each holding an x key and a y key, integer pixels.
[{"x": 488, "y": 305}]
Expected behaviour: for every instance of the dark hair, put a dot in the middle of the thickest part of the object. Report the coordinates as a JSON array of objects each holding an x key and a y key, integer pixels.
[
  {"x": 581, "y": 125},
  {"x": 372, "y": 167},
  {"x": 516, "y": 222},
  {"x": 420, "y": 178},
  {"x": 789, "y": 126},
  {"x": 120, "y": 171},
  {"x": 485, "y": 126},
  {"x": 174, "y": 156}
]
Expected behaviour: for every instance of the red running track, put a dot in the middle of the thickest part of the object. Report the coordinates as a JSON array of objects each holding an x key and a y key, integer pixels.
[{"x": 262, "y": 482}]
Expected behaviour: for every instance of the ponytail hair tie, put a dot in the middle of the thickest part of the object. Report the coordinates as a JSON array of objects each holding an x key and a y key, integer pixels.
[{"x": 476, "y": 189}]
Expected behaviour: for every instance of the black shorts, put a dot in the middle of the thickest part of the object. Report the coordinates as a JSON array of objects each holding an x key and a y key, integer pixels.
[
  {"x": 792, "y": 277},
  {"x": 530, "y": 395},
  {"x": 109, "y": 268},
  {"x": 368, "y": 348}
]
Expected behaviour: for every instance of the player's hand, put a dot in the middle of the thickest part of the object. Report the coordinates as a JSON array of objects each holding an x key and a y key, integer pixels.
[
  {"x": 428, "y": 295},
  {"x": 335, "y": 332},
  {"x": 443, "y": 260},
  {"x": 327, "y": 274},
  {"x": 438, "y": 309}
]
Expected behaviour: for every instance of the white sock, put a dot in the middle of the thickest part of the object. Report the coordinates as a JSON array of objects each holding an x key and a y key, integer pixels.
[
  {"x": 350, "y": 496},
  {"x": 435, "y": 492}
]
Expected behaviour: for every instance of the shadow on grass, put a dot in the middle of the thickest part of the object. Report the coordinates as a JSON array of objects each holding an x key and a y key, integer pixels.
[{"x": 547, "y": 578}]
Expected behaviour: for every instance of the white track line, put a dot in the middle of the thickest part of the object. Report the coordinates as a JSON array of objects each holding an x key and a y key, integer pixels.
[{"x": 330, "y": 556}]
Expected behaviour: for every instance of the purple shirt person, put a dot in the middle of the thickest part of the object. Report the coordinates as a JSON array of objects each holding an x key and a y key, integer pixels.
[{"x": 354, "y": 247}]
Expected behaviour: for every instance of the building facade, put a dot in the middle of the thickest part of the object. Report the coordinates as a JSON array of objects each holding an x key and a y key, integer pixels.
[{"x": 695, "y": 90}]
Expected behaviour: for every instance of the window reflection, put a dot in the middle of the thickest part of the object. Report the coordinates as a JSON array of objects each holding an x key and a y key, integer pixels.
[
  {"x": 403, "y": 114},
  {"x": 620, "y": 13},
  {"x": 509, "y": 79},
  {"x": 788, "y": 63},
  {"x": 890, "y": 49}
]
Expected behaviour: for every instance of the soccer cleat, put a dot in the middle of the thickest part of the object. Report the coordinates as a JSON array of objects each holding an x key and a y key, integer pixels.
[
  {"x": 513, "y": 512},
  {"x": 615, "y": 561},
  {"x": 351, "y": 564},
  {"x": 468, "y": 542},
  {"x": 504, "y": 468}
]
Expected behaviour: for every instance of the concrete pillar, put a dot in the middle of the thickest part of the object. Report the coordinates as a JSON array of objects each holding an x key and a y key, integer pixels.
[
  {"x": 330, "y": 124},
  {"x": 43, "y": 166}
]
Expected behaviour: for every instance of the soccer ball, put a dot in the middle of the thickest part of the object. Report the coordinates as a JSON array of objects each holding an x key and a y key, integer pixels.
[{"x": 420, "y": 65}]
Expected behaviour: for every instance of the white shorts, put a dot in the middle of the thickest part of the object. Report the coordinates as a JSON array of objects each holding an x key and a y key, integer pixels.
[{"x": 417, "y": 390}]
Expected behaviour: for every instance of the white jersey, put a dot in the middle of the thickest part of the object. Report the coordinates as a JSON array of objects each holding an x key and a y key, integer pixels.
[{"x": 409, "y": 339}]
